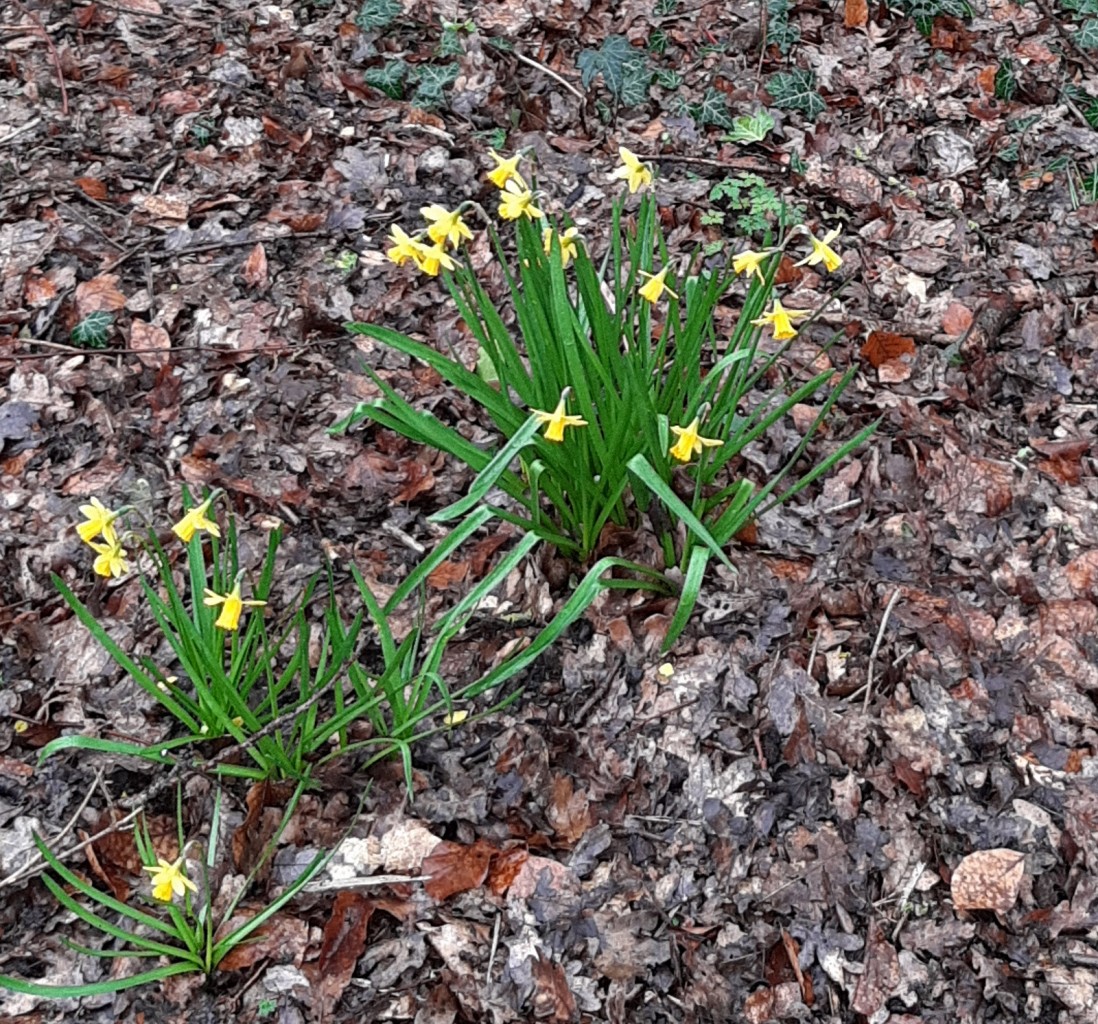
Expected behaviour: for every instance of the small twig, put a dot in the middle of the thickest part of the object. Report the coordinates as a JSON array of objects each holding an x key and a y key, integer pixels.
[
  {"x": 736, "y": 163},
  {"x": 492, "y": 952},
  {"x": 53, "y": 54},
  {"x": 530, "y": 62},
  {"x": 16, "y": 132},
  {"x": 876, "y": 646},
  {"x": 365, "y": 882}
]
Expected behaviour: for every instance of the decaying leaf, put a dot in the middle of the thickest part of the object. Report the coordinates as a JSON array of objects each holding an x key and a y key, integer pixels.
[{"x": 988, "y": 880}]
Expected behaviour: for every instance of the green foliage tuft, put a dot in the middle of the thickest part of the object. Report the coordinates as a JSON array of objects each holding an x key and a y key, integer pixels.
[
  {"x": 389, "y": 78},
  {"x": 378, "y": 14},
  {"x": 93, "y": 330},
  {"x": 750, "y": 128},
  {"x": 796, "y": 90},
  {"x": 624, "y": 70}
]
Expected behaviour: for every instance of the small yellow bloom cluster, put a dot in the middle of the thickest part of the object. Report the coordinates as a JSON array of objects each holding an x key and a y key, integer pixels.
[
  {"x": 444, "y": 227},
  {"x": 111, "y": 557},
  {"x": 779, "y": 318},
  {"x": 516, "y": 199}
]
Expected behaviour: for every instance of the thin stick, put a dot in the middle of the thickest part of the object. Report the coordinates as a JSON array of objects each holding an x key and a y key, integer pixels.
[
  {"x": 53, "y": 54},
  {"x": 530, "y": 62},
  {"x": 16, "y": 132},
  {"x": 876, "y": 646}
]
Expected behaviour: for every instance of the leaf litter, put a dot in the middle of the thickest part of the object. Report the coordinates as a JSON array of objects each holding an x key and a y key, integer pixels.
[{"x": 866, "y": 785}]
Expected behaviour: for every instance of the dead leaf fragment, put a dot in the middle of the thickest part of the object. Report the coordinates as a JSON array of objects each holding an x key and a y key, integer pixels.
[
  {"x": 553, "y": 1000},
  {"x": 344, "y": 941},
  {"x": 454, "y": 868},
  {"x": 988, "y": 880},
  {"x": 855, "y": 13},
  {"x": 99, "y": 295},
  {"x": 881, "y": 975},
  {"x": 151, "y": 343},
  {"x": 254, "y": 271}
]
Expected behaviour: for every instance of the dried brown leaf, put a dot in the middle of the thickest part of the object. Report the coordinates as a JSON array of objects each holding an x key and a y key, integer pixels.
[
  {"x": 881, "y": 976},
  {"x": 454, "y": 868},
  {"x": 342, "y": 945},
  {"x": 99, "y": 295},
  {"x": 988, "y": 880}
]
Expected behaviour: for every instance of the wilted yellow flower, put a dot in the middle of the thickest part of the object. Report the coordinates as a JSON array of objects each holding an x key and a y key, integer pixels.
[
  {"x": 567, "y": 244},
  {"x": 445, "y": 225},
  {"x": 655, "y": 286},
  {"x": 432, "y": 258},
  {"x": 99, "y": 519},
  {"x": 110, "y": 556},
  {"x": 636, "y": 173},
  {"x": 667, "y": 670},
  {"x": 822, "y": 252},
  {"x": 690, "y": 442},
  {"x": 749, "y": 261},
  {"x": 168, "y": 880},
  {"x": 231, "y": 606},
  {"x": 781, "y": 320},
  {"x": 505, "y": 170},
  {"x": 558, "y": 419},
  {"x": 455, "y": 718},
  {"x": 516, "y": 200},
  {"x": 403, "y": 248},
  {"x": 196, "y": 519}
]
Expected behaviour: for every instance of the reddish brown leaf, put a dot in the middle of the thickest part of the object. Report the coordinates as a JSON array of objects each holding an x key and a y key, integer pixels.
[
  {"x": 505, "y": 866},
  {"x": 915, "y": 781},
  {"x": 956, "y": 319},
  {"x": 856, "y": 13},
  {"x": 881, "y": 975},
  {"x": 93, "y": 188},
  {"x": 254, "y": 270},
  {"x": 114, "y": 74},
  {"x": 38, "y": 289},
  {"x": 759, "y": 1006},
  {"x": 988, "y": 880},
  {"x": 342, "y": 945},
  {"x": 454, "y": 868},
  {"x": 418, "y": 479},
  {"x": 568, "y": 812},
  {"x": 100, "y": 294},
  {"x": 448, "y": 574},
  {"x": 552, "y": 999},
  {"x": 884, "y": 347}
]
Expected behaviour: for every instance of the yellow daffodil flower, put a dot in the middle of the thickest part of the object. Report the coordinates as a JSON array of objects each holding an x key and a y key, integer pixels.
[
  {"x": 196, "y": 519},
  {"x": 690, "y": 442},
  {"x": 168, "y": 880},
  {"x": 558, "y": 419},
  {"x": 516, "y": 200},
  {"x": 403, "y": 248},
  {"x": 99, "y": 519},
  {"x": 432, "y": 258},
  {"x": 781, "y": 320},
  {"x": 632, "y": 170},
  {"x": 505, "y": 170},
  {"x": 567, "y": 244},
  {"x": 654, "y": 289},
  {"x": 111, "y": 556},
  {"x": 749, "y": 261},
  {"x": 822, "y": 252},
  {"x": 231, "y": 606},
  {"x": 445, "y": 225}
]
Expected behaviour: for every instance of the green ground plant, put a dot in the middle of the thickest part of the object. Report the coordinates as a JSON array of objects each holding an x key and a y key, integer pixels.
[
  {"x": 188, "y": 937},
  {"x": 621, "y": 364}
]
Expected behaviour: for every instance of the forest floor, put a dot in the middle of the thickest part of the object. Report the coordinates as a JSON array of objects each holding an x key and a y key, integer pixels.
[{"x": 863, "y": 786}]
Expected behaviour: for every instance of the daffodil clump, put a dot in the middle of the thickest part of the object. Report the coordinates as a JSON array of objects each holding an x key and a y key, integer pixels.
[
  {"x": 226, "y": 679},
  {"x": 615, "y": 358}
]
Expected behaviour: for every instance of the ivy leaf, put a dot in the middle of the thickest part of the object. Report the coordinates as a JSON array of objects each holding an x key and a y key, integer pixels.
[
  {"x": 713, "y": 109},
  {"x": 750, "y": 128},
  {"x": 430, "y": 80},
  {"x": 93, "y": 330},
  {"x": 375, "y": 14},
  {"x": 389, "y": 78},
  {"x": 614, "y": 60},
  {"x": 796, "y": 90},
  {"x": 1087, "y": 36}
]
